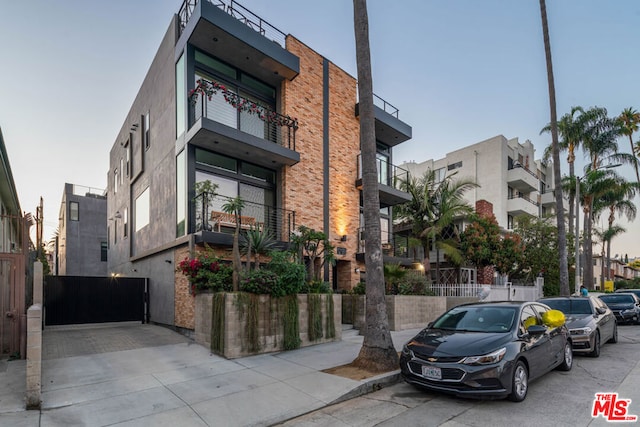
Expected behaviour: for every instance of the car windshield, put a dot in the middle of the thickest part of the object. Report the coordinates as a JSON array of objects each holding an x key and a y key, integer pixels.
[
  {"x": 570, "y": 306},
  {"x": 477, "y": 319},
  {"x": 624, "y": 299}
]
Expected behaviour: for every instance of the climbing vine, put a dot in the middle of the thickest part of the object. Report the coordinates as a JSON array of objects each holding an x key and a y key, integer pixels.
[
  {"x": 290, "y": 325},
  {"x": 314, "y": 302},
  {"x": 217, "y": 322}
]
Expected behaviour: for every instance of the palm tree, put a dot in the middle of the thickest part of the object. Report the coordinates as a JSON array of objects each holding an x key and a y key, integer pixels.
[
  {"x": 378, "y": 352},
  {"x": 617, "y": 199},
  {"x": 630, "y": 119},
  {"x": 562, "y": 233},
  {"x": 234, "y": 206},
  {"x": 599, "y": 142},
  {"x": 570, "y": 129},
  {"x": 432, "y": 212},
  {"x": 259, "y": 241}
]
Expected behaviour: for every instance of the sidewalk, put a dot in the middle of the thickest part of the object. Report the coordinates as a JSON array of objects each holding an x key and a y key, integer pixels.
[{"x": 182, "y": 384}]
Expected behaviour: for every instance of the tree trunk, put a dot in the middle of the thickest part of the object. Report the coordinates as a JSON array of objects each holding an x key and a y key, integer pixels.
[
  {"x": 378, "y": 353},
  {"x": 572, "y": 199},
  {"x": 636, "y": 163},
  {"x": 562, "y": 233},
  {"x": 587, "y": 269},
  {"x": 237, "y": 261}
]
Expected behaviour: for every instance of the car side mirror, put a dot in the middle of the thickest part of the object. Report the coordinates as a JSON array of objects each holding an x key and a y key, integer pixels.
[
  {"x": 600, "y": 310},
  {"x": 536, "y": 330}
]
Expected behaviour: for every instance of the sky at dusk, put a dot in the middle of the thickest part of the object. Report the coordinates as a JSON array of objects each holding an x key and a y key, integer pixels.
[{"x": 459, "y": 72}]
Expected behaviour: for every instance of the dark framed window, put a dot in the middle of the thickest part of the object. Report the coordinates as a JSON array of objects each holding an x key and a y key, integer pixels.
[
  {"x": 125, "y": 220},
  {"x": 146, "y": 124},
  {"x": 103, "y": 251},
  {"x": 74, "y": 211}
]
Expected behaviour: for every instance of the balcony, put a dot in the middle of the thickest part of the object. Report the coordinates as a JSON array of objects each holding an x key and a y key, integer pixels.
[
  {"x": 389, "y": 178},
  {"x": 395, "y": 248},
  {"x": 236, "y": 35},
  {"x": 522, "y": 179},
  {"x": 213, "y": 225},
  {"x": 389, "y": 128},
  {"x": 548, "y": 199},
  {"x": 521, "y": 205},
  {"x": 239, "y": 127}
]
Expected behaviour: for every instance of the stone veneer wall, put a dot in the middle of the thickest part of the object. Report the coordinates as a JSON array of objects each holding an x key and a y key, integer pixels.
[
  {"x": 271, "y": 336},
  {"x": 303, "y": 183},
  {"x": 185, "y": 303}
]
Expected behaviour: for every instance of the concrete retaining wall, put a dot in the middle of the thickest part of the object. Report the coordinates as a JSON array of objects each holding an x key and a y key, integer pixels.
[{"x": 269, "y": 324}]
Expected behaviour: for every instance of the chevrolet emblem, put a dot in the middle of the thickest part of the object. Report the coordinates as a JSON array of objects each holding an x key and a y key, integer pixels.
[{"x": 432, "y": 359}]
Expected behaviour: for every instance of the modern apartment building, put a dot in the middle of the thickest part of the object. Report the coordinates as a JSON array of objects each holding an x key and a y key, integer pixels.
[
  {"x": 81, "y": 246},
  {"x": 508, "y": 174},
  {"x": 618, "y": 270},
  {"x": 232, "y": 100}
]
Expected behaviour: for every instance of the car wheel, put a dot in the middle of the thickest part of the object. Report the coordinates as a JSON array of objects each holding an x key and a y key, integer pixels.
[
  {"x": 519, "y": 382},
  {"x": 596, "y": 345},
  {"x": 567, "y": 361},
  {"x": 614, "y": 338}
]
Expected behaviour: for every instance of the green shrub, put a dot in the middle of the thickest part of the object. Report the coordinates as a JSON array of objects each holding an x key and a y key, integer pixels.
[
  {"x": 414, "y": 284},
  {"x": 260, "y": 282},
  {"x": 317, "y": 287},
  {"x": 290, "y": 274},
  {"x": 359, "y": 289}
]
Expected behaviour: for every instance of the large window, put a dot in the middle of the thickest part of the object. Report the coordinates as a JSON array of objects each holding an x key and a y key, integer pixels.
[
  {"x": 235, "y": 82},
  {"x": 74, "y": 211},
  {"x": 254, "y": 184},
  {"x": 142, "y": 210},
  {"x": 181, "y": 97}
]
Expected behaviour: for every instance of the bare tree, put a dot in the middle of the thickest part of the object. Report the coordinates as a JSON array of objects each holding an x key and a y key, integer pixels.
[
  {"x": 562, "y": 230},
  {"x": 377, "y": 353}
]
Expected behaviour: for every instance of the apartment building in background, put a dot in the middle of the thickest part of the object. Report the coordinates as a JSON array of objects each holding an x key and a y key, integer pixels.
[
  {"x": 232, "y": 100},
  {"x": 81, "y": 243},
  {"x": 507, "y": 172}
]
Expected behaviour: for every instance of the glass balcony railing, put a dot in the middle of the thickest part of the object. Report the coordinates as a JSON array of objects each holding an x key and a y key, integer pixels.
[
  {"x": 221, "y": 104},
  {"x": 393, "y": 245},
  {"x": 388, "y": 174},
  {"x": 211, "y": 217}
]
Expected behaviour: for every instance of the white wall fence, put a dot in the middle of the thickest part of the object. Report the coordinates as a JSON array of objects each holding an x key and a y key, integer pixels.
[{"x": 507, "y": 292}]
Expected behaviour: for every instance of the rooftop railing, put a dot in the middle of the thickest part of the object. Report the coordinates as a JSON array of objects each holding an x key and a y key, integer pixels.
[
  {"x": 210, "y": 216},
  {"x": 239, "y": 12},
  {"x": 216, "y": 102}
]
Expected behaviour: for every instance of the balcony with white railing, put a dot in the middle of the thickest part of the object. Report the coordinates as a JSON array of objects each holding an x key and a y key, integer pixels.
[
  {"x": 519, "y": 204},
  {"x": 522, "y": 179}
]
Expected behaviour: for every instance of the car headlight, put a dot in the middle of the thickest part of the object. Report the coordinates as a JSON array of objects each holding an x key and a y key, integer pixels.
[
  {"x": 485, "y": 359},
  {"x": 581, "y": 331},
  {"x": 629, "y": 311},
  {"x": 406, "y": 351}
]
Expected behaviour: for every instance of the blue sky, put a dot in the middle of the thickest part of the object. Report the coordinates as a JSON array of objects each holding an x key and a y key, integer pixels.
[{"x": 459, "y": 71}]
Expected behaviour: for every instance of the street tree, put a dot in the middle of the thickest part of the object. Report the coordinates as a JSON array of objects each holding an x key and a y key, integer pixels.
[
  {"x": 562, "y": 235},
  {"x": 630, "y": 119},
  {"x": 378, "y": 353}
]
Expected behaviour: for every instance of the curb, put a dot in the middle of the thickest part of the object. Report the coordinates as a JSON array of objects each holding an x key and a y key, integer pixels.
[{"x": 370, "y": 385}]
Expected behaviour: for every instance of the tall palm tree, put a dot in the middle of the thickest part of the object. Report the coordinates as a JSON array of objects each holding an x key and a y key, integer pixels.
[
  {"x": 599, "y": 142},
  {"x": 562, "y": 232},
  {"x": 570, "y": 130},
  {"x": 630, "y": 119},
  {"x": 616, "y": 199},
  {"x": 378, "y": 352}
]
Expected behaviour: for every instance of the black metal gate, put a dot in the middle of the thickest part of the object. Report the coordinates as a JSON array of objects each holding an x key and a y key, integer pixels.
[{"x": 72, "y": 300}]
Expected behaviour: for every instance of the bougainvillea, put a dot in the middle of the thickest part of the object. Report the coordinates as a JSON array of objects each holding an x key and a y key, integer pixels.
[
  {"x": 205, "y": 271},
  {"x": 208, "y": 89}
]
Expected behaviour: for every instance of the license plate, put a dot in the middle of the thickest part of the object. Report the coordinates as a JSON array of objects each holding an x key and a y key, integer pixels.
[{"x": 431, "y": 372}]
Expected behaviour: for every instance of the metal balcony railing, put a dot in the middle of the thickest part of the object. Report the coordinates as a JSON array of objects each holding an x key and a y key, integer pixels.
[
  {"x": 211, "y": 217},
  {"x": 522, "y": 196},
  {"x": 395, "y": 245},
  {"x": 386, "y": 107},
  {"x": 239, "y": 12},
  {"x": 388, "y": 174},
  {"x": 219, "y": 103}
]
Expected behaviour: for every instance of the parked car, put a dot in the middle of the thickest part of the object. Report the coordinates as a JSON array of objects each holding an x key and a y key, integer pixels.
[
  {"x": 636, "y": 292},
  {"x": 589, "y": 320},
  {"x": 489, "y": 350},
  {"x": 625, "y": 306}
]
